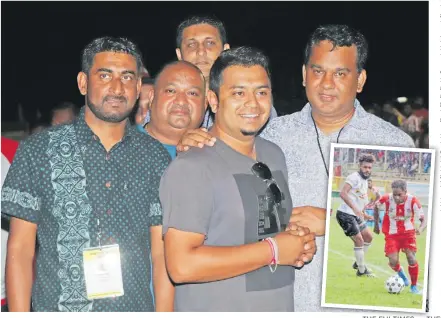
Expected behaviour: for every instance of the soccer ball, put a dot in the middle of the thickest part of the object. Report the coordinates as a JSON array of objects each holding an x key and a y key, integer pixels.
[{"x": 394, "y": 284}]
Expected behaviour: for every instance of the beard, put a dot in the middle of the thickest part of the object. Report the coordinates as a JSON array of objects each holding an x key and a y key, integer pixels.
[
  {"x": 248, "y": 133},
  {"x": 101, "y": 114},
  {"x": 363, "y": 176}
]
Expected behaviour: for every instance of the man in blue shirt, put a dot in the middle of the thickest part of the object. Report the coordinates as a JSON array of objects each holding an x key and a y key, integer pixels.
[{"x": 178, "y": 104}]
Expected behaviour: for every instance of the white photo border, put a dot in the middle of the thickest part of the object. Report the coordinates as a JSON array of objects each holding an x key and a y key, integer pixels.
[{"x": 428, "y": 235}]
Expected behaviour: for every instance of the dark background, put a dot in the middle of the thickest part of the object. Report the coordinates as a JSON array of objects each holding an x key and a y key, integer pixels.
[{"x": 42, "y": 42}]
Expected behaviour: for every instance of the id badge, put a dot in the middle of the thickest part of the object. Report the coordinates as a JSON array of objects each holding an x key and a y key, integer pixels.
[{"x": 102, "y": 271}]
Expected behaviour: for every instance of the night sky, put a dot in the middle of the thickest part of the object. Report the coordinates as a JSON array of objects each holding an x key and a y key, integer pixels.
[{"x": 42, "y": 42}]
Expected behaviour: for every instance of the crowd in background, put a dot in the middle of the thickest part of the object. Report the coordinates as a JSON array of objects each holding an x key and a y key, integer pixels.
[
  {"x": 405, "y": 164},
  {"x": 411, "y": 115}
]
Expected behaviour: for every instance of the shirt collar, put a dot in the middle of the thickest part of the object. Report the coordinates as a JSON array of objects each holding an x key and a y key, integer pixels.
[
  {"x": 357, "y": 121},
  {"x": 86, "y": 135}
]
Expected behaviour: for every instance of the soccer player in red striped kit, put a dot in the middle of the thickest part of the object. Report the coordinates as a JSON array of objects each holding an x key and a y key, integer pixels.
[{"x": 400, "y": 229}]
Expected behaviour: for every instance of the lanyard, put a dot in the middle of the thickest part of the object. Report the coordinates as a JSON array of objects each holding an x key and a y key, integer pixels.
[{"x": 318, "y": 143}]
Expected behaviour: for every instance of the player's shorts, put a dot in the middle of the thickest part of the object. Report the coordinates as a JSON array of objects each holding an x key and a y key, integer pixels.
[
  {"x": 399, "y": 242},
  {"x": 351, "y": 224}
]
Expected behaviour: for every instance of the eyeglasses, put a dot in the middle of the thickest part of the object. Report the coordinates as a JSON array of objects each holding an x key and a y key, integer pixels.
[{"x": 262, "y": 171}]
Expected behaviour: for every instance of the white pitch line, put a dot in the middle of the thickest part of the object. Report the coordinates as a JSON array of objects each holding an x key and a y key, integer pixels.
[{"x": 377, "y": 268}]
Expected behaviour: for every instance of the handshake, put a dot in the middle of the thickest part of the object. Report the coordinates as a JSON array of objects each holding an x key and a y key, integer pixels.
[{"x": 296, "y": 246}]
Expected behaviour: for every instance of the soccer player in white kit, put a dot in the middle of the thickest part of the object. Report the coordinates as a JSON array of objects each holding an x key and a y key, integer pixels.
[{"x": 351, "y": 213}]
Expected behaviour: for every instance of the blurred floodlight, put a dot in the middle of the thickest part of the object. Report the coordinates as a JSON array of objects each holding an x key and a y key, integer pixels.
[{"x": 402, "y": 99}]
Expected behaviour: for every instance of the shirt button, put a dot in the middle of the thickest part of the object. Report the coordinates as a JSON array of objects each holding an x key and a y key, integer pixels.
[
  {"x": 109, "y": 212},
  {"x": 108, "y": 184},
  {"x": 107, "y": 156}
]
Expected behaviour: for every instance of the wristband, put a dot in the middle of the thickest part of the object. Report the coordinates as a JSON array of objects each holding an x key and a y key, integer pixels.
[{"x": 275, "y": 254}]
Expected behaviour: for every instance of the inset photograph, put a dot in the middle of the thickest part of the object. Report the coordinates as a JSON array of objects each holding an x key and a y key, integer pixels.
[{"x": 378, "y": 228}]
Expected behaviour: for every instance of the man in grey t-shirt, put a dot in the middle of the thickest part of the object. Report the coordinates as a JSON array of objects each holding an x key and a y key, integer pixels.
[{"x": 226, "y": 208}]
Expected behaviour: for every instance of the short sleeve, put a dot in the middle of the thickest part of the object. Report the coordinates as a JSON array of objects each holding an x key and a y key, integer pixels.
[
  {"x": 20, "y": 194},
  {"x": 417, "y": 208},
  {"x": 186, "y": 196},
  {"x": 352, "y": 180},
  {"x": 155, "y": 208},
  {"x": 384, "y": 199}
]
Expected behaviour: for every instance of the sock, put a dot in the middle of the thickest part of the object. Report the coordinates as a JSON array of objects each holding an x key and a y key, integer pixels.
[
  {"x": 413, "y": 272},
  {"x": 359, "y": 258},
  {"x": 366, "y": 247},
  {"x": 396, "y": 268},
  {"x": 399, "y": 270}
]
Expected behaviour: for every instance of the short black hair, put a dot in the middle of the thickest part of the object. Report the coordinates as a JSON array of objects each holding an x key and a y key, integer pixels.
[
  {"x": 339, "y": 35},
  {"x": 399, "y": 184},
  {"x": 195, "y": 20},
  {"x": 109, "y": 44},
  {"x": 175, "y": 63},
  {"x": 241, "y": 56}
]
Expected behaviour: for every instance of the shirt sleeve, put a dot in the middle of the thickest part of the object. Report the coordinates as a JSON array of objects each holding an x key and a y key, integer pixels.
[
  {"x": 384, "y": 199},
  {"x": 21, "y": 197},
  {"x": 186, "y": 196},
  {"x": 352, "y": 180},
  {"x": 417, "y": 208},
  {"x": 155, "y": 208}
]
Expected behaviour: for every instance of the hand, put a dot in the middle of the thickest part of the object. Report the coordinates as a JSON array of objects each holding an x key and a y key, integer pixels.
[
  {"x": 195, "y": 138},
  {"x": 311, "y": 217},
  {"x": 368, "y": 217},
  {"x": 417, "y": 231},
  {"x": 376, "y": 229},
  {"x": 296, "y": 247},
  {"x": 359, "y": 213}
]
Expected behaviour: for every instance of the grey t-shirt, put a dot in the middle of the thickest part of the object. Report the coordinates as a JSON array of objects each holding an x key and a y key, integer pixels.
[{"x": 213, "y": 191}]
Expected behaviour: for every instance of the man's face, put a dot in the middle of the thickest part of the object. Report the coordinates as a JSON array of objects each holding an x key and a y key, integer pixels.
[
  {"x": 244, "y": 101},
  {"x": 201, "y": 45},
  {"x": 365, "y": 169},
  {"x": 370, "y": 184},
  {"x": 179, "y": 98},
  {"x": 62, "y": 116},
  {"x": 399, "y": 195},
  {"x": 331, "y": 79},
  {"x": 112, "y": 86}
]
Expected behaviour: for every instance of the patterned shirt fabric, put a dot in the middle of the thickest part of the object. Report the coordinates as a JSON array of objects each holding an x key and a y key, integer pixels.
[
  {"x": 170, "y": 148},
  {"x": 308, "y": 181},
  {"x": 64, "y": 180}
]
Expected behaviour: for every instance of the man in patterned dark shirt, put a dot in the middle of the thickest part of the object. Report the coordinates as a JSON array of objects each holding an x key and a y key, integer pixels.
[{"x": 81, "y": 190}]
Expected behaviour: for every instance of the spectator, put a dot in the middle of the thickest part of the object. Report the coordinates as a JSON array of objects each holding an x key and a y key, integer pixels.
[{"x": 63, "y": 113}]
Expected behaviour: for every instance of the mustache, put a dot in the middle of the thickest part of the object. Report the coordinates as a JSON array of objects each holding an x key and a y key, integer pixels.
[
  {"x": 110, "y": 98},
  {"x": 202, "y": 61},
  {"x": 180, "y": 107}
]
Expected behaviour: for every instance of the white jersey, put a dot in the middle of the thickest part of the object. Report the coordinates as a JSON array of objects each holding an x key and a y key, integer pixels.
[{"x": 358, "y": 193}]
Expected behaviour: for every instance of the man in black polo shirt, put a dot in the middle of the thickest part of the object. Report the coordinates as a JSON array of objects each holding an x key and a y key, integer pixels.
[{"x": 81, "y": 190}]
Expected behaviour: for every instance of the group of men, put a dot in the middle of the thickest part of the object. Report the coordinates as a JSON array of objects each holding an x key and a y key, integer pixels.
[{"x": 231, "y": 223}]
